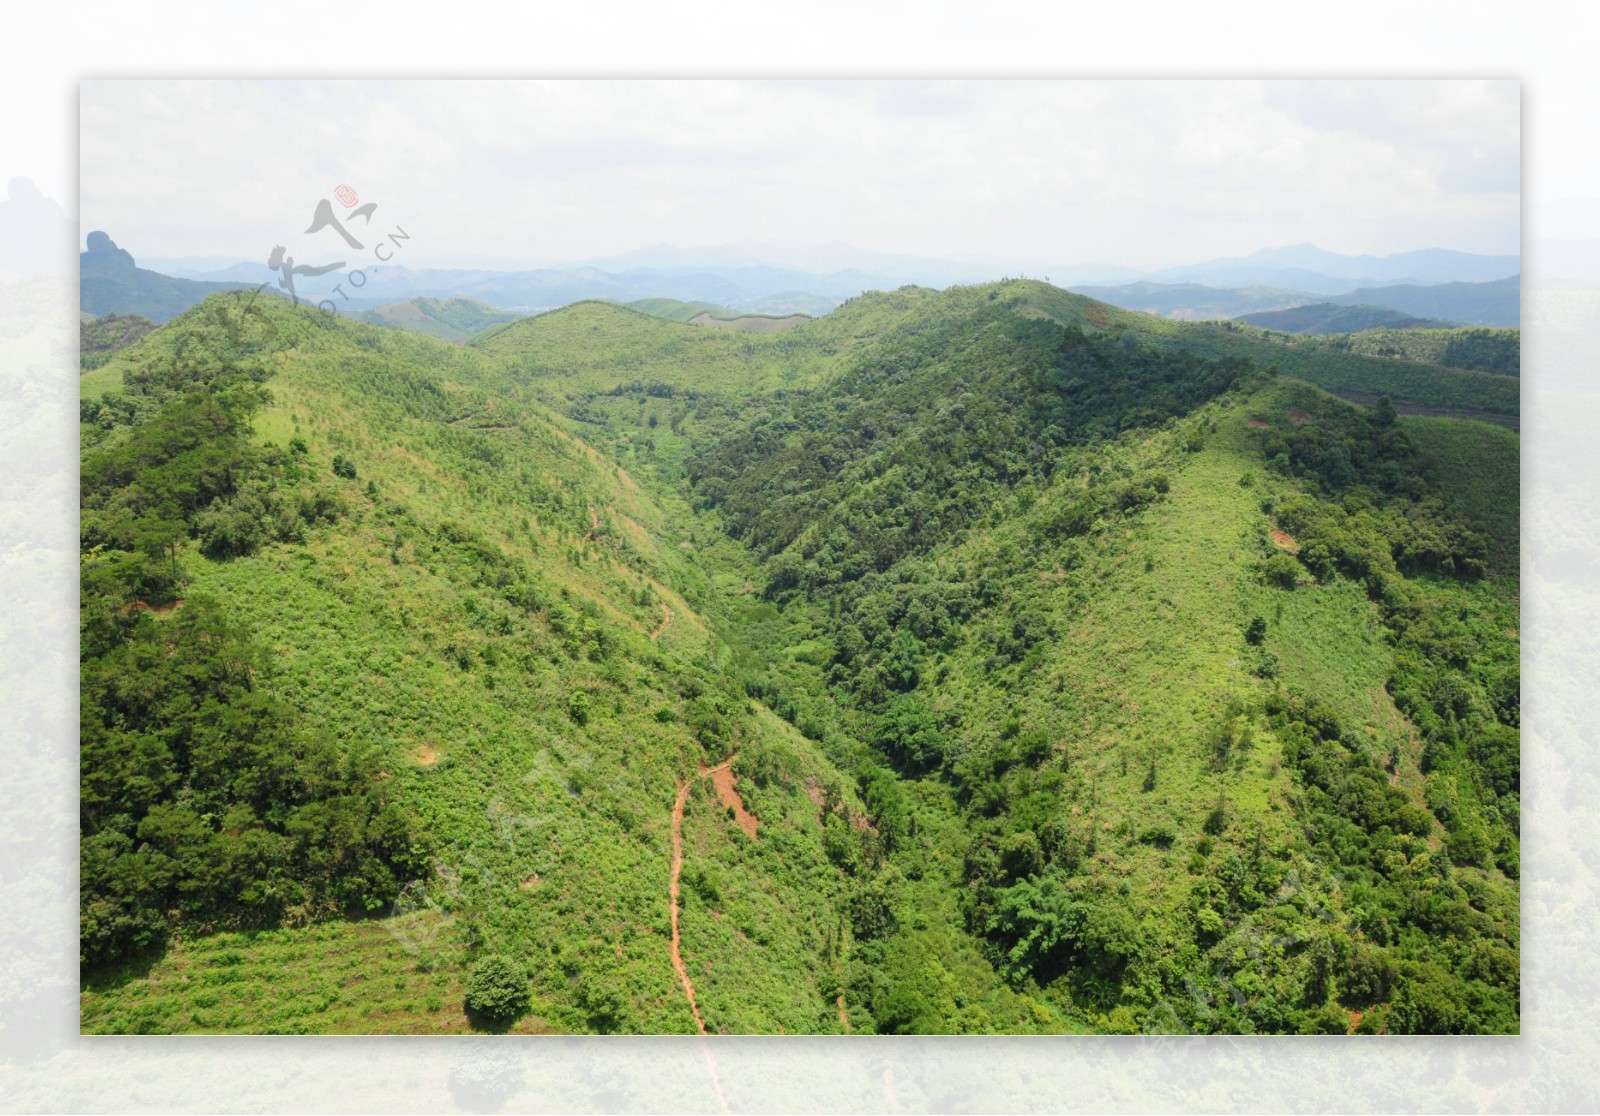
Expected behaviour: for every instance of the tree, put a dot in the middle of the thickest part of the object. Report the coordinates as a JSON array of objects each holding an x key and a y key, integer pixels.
[{"x": 497, "y": 990}]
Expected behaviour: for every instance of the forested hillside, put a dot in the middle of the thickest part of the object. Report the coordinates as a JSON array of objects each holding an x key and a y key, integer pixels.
[{"x": 1075, "y": 671}]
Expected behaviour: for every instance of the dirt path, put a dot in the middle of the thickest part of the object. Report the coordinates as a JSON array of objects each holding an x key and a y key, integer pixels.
[
  {"x": 677, "y": 944},
  {"x": 722, "y": 778},
  {"x": 667, "y": 616},
  {"x": 672, "y": 894},
  {"x": 844, "y": 1019}
]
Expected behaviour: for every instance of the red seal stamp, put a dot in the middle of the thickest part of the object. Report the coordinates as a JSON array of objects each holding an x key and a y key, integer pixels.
[{"x": 345, "y": 195}]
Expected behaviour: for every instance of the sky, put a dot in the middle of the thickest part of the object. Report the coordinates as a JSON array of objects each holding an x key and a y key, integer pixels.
[{"x": 1041, "y": 174}]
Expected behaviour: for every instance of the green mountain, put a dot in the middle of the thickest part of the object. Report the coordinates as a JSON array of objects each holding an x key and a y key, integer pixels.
[
  {"x": 109, "y": 282},
  {"x": 449, "y": 319},
  {"x": 676, "y": 310},
  {"x": 717, "y": 317},
  {"x": 986, "y": 660},
  {"x": 1498, "y": 351},
  {"x": 1329, "y": 317},
  {"x": 99, "y": 338}
]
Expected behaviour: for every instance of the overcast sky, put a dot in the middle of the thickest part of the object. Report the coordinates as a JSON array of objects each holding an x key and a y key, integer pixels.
[{"x": 1048, "y": 173}]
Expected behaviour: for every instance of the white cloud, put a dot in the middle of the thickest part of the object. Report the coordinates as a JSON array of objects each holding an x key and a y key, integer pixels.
[{"x": 509, "y": 174}]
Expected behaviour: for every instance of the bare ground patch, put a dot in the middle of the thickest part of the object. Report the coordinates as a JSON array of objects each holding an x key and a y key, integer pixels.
[{"x": 723, "y": 779}]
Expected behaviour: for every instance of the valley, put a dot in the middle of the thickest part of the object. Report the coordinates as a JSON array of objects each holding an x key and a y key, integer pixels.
[{"x": 932, "y": 666}]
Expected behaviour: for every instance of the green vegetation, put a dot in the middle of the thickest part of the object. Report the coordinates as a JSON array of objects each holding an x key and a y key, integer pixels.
[
  {"x": 98, "y": 338},
  {"x": 1329, "y": 317},
  {"x": 497, "y": 990},
  {"x": 718, "y": 317},
  {"x": 450, "y": 319},
  {"x": 676, "y": 310},
  {"x": 1081, "y": 674},
  {"x": 1482, "y": 350}
]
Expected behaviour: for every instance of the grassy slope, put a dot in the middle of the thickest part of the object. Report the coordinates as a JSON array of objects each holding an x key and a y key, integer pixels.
[
  {"x": 552, "y": 835},
  {"x": 449, "y": 319},
  {"x": 1118, "y": 689},
  {"x": 676, "y": 310}
]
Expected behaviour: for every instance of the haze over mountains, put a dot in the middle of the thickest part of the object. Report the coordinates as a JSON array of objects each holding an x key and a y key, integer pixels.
[{"x": 787, "y": 278}]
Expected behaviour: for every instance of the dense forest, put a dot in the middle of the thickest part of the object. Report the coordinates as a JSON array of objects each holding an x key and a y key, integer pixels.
[{"x": 987, "y": 660}]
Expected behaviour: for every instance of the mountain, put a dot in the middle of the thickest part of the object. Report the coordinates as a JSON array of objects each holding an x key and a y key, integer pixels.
[
  {"x": 1307, "y": 267},
  {"x": 109, "y": 282},
  {"x": 476, "y": 699},
  {"x": 1330, "y": 317},
  {"x": 719, "y": 317},
  {"x": 1497, "y": 303},
  {"x": 967, "y": 661},
  {"x": 674, "y": 310},
  {"x": 1193, "y": 301},
  {"x": 1497, "y": 351},
  {"x": 453, "y": 319},
  {"x": 35, "y": 236}
]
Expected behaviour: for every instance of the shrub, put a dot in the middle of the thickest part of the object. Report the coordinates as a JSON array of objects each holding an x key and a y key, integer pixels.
[{"x": 497, "y": 990}]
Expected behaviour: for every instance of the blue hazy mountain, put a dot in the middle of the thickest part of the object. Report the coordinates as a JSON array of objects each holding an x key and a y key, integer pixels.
[
  {"x": 110, "y": 282},
  {"x": 1309, "y": 268}
]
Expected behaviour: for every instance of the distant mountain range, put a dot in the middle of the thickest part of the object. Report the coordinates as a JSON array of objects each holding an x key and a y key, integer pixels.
[
  {"x": 1195, "y": 301},
  {"x": 35, "y": 236},
  {"x": 451, "y": 319},
  {"x": 782, "y": 279},
  {"x": 1493, "y": 303},
  {"x": 759, "y": 289},
  {"x": 1481, "y": 304},
  {"x": 1306, "y": 267}
]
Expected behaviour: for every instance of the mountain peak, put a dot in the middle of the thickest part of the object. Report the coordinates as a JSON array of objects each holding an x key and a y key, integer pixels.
[{"x": 103, "y": 252}]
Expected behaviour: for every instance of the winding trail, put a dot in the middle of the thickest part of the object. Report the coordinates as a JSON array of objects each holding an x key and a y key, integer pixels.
[
  {"x": 672, "y": 893},
  {"x": 667, "y": 616}
]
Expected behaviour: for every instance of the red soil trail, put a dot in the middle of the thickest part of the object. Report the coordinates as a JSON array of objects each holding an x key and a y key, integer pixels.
[
  {"x": 672, "y": 893},
  {"x": 667, "y": 616},
  {"x": 1284, "y": 540},
  {"x": 722, "y": 778}
]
